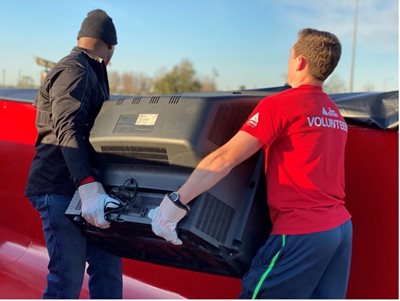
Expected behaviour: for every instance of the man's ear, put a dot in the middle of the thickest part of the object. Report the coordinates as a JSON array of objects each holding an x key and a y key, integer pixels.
[
  {"x": 109, "y": 46},
  {"x": 301, "y": 63}
]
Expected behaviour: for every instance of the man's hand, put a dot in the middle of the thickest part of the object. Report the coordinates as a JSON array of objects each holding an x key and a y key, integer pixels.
[
  {"x": 94, "y": 199},
  {"x": 165, "y": 218}
]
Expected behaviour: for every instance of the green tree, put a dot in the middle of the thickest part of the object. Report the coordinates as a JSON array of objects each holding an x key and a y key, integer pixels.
[{"x": 182, "y": 78}]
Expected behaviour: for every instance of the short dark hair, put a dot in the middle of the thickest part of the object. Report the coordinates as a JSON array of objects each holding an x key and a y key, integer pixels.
[{"x": 322, "y": 50}]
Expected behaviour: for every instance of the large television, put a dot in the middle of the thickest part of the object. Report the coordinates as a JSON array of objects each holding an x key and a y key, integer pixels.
[{"x": 158, "y": 141}]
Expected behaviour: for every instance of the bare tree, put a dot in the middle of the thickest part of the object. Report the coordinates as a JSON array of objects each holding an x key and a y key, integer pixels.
[
  {"x": 25, "y": 82},
  {"x": 127, "y": 83},
  {"x": 368, "y": 87},
  {"x": 142, "y": 84},
  {"x": 114, "y": 81},
  {"x": 208, "y": 84},
  {"x": 335, "y": 85}
]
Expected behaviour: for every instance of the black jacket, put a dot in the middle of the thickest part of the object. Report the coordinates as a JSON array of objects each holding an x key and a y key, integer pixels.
[{"x": 67, "y": 104}]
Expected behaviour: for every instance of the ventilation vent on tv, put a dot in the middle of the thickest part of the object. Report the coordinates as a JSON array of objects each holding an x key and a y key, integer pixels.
[
  {"x": 228, "y": 120},
  {"x": 120, "y": 102},
  {"x": 215, "y": 218},
  {"x": 154, "y": 99},
  {"x": 136, "y": 100},
  {"x": 119, "y": 153},
  {"x": 174, "y": 99}
]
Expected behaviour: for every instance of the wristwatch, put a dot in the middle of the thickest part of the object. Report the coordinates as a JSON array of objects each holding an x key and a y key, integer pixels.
[{"x": 175, "y": 198}]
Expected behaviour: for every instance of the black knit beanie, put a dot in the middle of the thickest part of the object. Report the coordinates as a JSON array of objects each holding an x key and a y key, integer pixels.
[{"x": 99, "y": 25}]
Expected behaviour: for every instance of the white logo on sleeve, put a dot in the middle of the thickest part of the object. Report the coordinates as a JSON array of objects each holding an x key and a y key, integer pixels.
[{"x": 253, "y": 121}]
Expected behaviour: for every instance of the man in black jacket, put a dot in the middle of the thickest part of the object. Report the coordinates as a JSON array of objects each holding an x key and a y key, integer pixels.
[{"x": 67, "y": 104}]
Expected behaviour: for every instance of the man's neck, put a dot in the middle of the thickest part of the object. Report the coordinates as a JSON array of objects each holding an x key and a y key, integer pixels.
[{"x": 307, "y": 81}]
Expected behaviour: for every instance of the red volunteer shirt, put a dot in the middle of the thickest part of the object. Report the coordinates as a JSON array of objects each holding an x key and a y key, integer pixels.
[{"x": 304, "y": 139}]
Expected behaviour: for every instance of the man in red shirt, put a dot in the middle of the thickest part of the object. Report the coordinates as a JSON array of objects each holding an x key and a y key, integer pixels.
[{"x": 303, "y": 136}]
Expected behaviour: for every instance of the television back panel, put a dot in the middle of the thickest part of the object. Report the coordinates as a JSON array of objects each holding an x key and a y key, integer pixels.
[{"x": 158, "y": 141}]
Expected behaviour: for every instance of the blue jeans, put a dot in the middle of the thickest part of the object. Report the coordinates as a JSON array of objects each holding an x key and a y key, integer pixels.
[
  {"x": 69, "y": 250},
  {"x": 310, "y": 266}
]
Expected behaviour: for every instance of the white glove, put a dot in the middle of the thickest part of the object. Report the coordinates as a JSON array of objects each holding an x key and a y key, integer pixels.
[
  {"x": 165, "y": 218},
  {"x": 94, "y": 199}
]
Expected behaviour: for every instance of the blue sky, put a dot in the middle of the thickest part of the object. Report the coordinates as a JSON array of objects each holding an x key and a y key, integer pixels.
[{"x": 240, "y": 42}]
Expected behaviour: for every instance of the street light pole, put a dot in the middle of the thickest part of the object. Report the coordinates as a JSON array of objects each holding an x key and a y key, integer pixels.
[{"x": 353, "y": 52}]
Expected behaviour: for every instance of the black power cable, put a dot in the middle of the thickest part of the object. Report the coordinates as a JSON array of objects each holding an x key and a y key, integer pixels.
[{"x": 126, "y": 195}]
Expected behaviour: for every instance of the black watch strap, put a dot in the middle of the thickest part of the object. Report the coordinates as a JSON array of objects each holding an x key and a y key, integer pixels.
[{"x": 175, "y": 198}]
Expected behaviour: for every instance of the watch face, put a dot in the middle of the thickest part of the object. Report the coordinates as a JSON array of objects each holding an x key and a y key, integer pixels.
[{"x": 174, "y": 196}]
